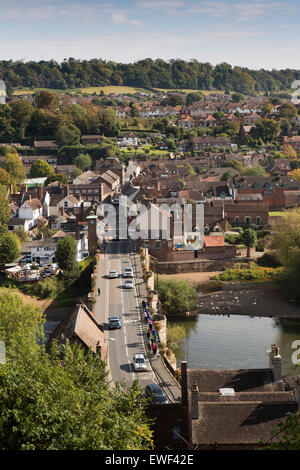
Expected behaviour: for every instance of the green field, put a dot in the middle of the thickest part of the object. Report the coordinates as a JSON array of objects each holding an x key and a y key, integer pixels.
[{"x": 88, "y": 90}]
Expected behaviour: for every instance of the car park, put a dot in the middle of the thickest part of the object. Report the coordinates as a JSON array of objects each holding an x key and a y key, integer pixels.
[
  {"x": 128, "y": 271},
  {"x": 113, "y": 274},
  {"x": 128, "y": 284},
  {"x": 139, "y": 363},
  {"x": 114, "y": 322},
  {"x": 156, "y": 394}
]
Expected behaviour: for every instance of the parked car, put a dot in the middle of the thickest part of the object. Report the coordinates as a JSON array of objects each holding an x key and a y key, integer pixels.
[
  {"x": 113, "y": 274},
  {"x": 114, "y": 322},
  {"x": 139, "y": 363},
  {"x": 128, "y": 284},
  {"x": 128, "y": 271},
  {"x": 156, "y": 393},
  {"x": 25, "y": 260}
]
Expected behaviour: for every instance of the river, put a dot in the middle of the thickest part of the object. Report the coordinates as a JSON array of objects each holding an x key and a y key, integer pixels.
[{"x": 236, "y": 342}]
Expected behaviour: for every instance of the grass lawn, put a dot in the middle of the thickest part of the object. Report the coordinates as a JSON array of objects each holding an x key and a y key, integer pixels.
[{"x": 88, "y": 90}]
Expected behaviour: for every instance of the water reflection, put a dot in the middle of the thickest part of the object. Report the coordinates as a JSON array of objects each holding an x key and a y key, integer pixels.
[{"x": 236, "y": 342}]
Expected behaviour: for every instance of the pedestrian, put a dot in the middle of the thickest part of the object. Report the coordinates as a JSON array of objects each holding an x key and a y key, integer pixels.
[
  {"x": 99, "y": 292},
  {"x": 148, "y": 335},
  {"x": 148, "y": 345},
  {"x": 144, "y": 304},
  {"x": 150, "y": 326},
  {"x": 154, "y": 348},
  {"x": 145, "y": 317}
]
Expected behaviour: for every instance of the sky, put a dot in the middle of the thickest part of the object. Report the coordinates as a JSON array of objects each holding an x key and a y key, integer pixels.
[{"x": 254, "y": 33}]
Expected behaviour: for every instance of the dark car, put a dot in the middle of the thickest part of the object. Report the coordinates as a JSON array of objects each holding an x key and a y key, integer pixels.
[{"x": 156, "y": 393}]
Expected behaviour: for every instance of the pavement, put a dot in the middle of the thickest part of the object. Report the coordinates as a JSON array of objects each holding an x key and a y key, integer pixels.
[{"x": 131, "y": 338}]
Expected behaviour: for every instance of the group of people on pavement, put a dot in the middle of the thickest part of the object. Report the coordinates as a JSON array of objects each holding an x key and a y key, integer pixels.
[{"x": 152, "y": 335}]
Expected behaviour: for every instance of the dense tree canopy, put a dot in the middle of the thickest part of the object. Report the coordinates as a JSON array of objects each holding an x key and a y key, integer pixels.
[
  {"x": 145, "y": 73},
  {"x": 40, "y": 169},
  {"x": 176, "y": 296},
  {"x": 9, "y": 248},
  {"x": 61, "y": 400},
  {"x": 66, "y": 253}
]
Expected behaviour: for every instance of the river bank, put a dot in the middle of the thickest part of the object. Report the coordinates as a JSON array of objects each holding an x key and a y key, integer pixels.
[{"x": 259, "y": 299}]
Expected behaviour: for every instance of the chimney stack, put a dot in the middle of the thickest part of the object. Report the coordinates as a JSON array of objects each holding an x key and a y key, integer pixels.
[
  {"x": 40, "y": 192},
  {"x": 275, "y": 362}
]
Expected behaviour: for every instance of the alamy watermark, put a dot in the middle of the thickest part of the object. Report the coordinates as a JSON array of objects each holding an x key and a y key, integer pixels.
[
  {"x": 296, "y": 354},
  {"x": 296, "y": 86},
  {"x": 153, "y": 221},
  {"x": 2, "y": 352}
]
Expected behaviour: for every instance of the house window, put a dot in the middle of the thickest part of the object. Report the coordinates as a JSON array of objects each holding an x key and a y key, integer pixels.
[
  {"x": 237, "y": 220},
  {"x": 157, "y": 245},
  {"x": 258, "y": 220},
  {"x": 247, "y": 221}
]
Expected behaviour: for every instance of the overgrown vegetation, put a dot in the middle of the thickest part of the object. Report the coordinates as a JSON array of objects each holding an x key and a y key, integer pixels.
[
  {"x": 176, "y": 296},
  {"x": 253, "y": 272},
  {"x": 62, "y": 400},
  {"x": 175, "y": 333}
]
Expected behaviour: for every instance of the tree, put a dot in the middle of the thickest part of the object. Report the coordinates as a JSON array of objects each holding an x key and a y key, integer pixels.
[
  {"x": 289, "y": 151},
  {"x": 83, "y": 161},
  {"x": 253, "y": 171},
  {"x": 134, "y": 110},
  {"x": 265, "y": 129},
  {"x": 225, "y": 176},
  {"x": 61, "y": 400},
  {"x": 66, "y": 251},
  {"x": 237, "y": 97},
  {"x": 9, "y": 248},
  {"x": 76, "y": 172},
  {"x": 4, "y": 177},
  {"x": 249, "y": 238},
  {"x": 295, "y": 164},
  {"x": 21, "y": 113},
  {"x": 15, "y": 168},
  {"x": 61, "y": 177},
  {"x": 5, "y": 211},
  {"x": 288, "y": 111},
  {"x": 193, "y": 98},
  {"x": 46, "y": 99},
  {"x": 295, "y": 174},
  {"x": 176, "y": 296},
  {"x": 40, "y": 169},
  {"x": 68, "y": 135}
]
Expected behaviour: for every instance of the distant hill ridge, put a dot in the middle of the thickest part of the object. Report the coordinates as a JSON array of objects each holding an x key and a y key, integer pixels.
[{"x": 147, "y": 73}]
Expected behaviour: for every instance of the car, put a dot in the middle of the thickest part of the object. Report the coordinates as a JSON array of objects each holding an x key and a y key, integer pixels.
[
  {"x": 128, "y": 284},
  {"x": 25, "y": 260},
  {"x": 139, "y": 363},
  {"x": 128, "y": 271},
  {"x": 156, "y": 393},
  {"x": 114, "y": 322},
  {"x": 112, "y": 274}
]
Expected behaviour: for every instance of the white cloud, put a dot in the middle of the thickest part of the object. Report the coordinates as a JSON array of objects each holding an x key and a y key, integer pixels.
[{"x": 121, "y": 18}]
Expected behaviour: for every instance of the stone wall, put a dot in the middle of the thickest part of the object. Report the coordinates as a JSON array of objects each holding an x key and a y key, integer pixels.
[{"x": 206, "y": 265}]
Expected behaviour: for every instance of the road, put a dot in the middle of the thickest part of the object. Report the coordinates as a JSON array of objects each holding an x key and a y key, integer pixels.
[{"x": 115, "y": 300}]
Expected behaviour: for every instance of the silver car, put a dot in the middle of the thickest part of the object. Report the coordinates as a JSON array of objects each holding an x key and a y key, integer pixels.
[
  {"x": 128, "y": 284},
  {"x": 128, "y": 272},
  {"x": 113, "y": 274},
  {"x": 139, "y": 363}
]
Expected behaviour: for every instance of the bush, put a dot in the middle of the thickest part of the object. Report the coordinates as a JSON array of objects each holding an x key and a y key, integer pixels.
[
  {"x": 250, "y": 273},
  {"x": 176, "y": 296},
  {"x": 232, "y": 239},
  {"x": 269, "y": 260},
  {"x": 46, "y": 289}
]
